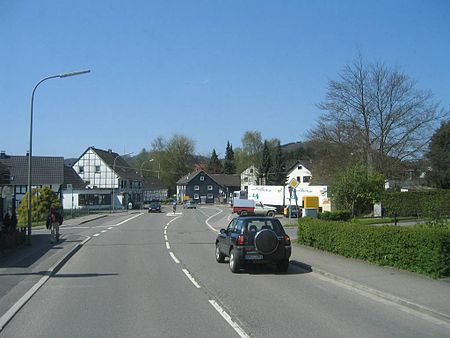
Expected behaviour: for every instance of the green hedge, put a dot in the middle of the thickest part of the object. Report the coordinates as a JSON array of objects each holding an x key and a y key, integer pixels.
[
  {"x": 338, "y": 215},
  {"x": 417, "y": 204},
  {"x": 423, "y": 250}
]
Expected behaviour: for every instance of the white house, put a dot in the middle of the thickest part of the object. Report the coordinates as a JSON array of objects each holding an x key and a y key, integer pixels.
[
  {"x": 107, "y": 172},
  {"x": 249, "y": 177},
  {"x": 299, "y": 173}
]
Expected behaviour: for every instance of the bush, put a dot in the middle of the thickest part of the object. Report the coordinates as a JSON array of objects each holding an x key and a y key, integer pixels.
[
  {"x": 338, "y": 215},
  {"x": 417, "y": 204},
  {"x": 422, "y": 250}
]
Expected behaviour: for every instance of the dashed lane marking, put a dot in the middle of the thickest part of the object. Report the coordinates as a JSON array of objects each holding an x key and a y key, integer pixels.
[
  {"x": 174, "y": 258},
  {"x": 186, "y": 272},
  {"x": 228, "y": 319}
]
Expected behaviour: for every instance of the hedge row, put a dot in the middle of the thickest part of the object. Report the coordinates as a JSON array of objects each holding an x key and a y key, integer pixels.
[
  {"x": 423, "y": 250},
  {"x": 417, "y": 204},
  {"x": 338, "y": 215}
]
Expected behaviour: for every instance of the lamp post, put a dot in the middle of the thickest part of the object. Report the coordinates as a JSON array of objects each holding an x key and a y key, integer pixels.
[
  {"x": 30, "y": 150},
  {"x": 114, "y": 173},
  {"x": 142, "y": 165}
]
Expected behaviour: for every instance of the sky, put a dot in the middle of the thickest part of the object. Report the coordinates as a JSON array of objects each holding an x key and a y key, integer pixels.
[{"x": 209, "y": 70}]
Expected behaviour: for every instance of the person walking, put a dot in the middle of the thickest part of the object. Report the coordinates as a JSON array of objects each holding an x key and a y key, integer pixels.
[
  {"x": 54, "y": 220},
  {"x": 174, "y": 206}
]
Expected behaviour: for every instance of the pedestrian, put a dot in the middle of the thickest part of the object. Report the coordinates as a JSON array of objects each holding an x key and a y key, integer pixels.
[
  {"x": 54, "y": 220},
  {"x": 174, "y": 206}
]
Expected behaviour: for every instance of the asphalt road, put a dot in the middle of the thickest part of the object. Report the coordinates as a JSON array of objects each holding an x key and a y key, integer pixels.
[{"x": 155, "y": 275}]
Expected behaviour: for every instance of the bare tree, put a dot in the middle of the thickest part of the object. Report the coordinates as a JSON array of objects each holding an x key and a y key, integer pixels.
[{"x": 379, "y": 113}]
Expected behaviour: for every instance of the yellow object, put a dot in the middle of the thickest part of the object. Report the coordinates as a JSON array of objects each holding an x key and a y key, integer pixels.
[{"x": 311, "y": 201}]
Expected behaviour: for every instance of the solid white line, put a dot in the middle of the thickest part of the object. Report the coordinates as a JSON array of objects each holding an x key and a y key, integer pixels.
[
  {"x": 165, "y": 237},
  {"x": 96, "y": 235},
  {"x": 174, "y": 258},
  {"x": 209, "y": 218},
  {"x": 186, "y": 272},
  {"x": 103, "y": 231},
  {"x": 129, "y": 219},
  {"x": 173, "y": 219},
  {"x": 167, "y": 245},
  {"x": 227, "y": 317},
  {"x": 165, "y": 231}
]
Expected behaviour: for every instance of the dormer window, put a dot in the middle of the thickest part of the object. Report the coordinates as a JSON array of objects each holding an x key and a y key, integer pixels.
[
  {"x": 202, "y": 178},
  {"x": 300, "y": 167}
]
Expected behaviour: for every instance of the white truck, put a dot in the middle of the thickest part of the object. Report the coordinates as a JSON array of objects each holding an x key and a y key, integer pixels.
[
  {"x": 245, "y": 207},
  {"x": 278, "y": 196}
]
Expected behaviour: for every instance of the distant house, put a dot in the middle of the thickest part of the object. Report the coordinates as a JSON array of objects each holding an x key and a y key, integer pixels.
[
  {"x": 153, "y": 189},
  {"x": 249, "y": 177},
  {"x": 299, "y": 173},
  {"x": 47, "y": 171},
  {"x": 108, "y": 173},
  {"x": 202, "y": 187}
]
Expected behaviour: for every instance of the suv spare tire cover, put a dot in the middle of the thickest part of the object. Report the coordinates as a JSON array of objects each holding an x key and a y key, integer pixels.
[{"x": 266, "y": 241}]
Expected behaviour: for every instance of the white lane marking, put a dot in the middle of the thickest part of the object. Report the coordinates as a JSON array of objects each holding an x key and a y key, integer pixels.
[
  {"x": 173, "y": 219},
  {"x": 165, "y": 238},
  {"x": 66, "y": 228},
  {"x": 129, "y": 219},
  {"x": 227, "y": 317},
  {"x": 96, "y": 235},
  {"x": 109, "y": 228},
  {"x": 165, "y": 231},
  {"x": 172, "y": 214},
  {"x": 168, "y": 245},
  {"x": 209, "y": 218},
  {"x": 103, "y": 231},
  {"x": 174, "y": 258},
  {"x": 186, "y": 272}
]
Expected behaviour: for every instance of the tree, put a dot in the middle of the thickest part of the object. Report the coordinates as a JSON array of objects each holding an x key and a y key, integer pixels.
[
  {"x": 229, "y": 165},
  {"x": 266, "y": 163},
  {"x": 42, "y": 201},
  {"x": 251, "y": 151},
  {"x": 214, "y": 165},
  {"x": 356, "y": 189},
  {"x": 439, "y": 157},
  {"x": 378, "y": 113},
  {"x": 278, "y": 168}
]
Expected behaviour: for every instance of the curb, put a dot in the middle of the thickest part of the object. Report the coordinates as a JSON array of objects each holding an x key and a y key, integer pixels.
[
  {"x": 27, "y": 296},
  {"x": 381, "y": 294}
]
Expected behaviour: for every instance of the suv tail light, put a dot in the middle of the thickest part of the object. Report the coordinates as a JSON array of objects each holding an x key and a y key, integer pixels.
[
  {"x": 287, "y": 240},
  {"x": 240, "y": 240}
]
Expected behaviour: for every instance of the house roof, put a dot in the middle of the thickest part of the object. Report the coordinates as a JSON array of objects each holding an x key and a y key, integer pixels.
[
  {"x": 121, "y": 167},
  {"x": 71, "y": 177},
  {"x": 227, "y": 180},
  {"x": 187, "y": 178},
  {"x": 153, "y": 183},
  {"x": 221, "y": 179},
  {"x": 292, "y": 167},
  {"x": 45, "y": 169}
]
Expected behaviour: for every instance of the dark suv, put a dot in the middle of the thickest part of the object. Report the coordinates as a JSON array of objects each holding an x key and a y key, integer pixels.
[{"x": 253, "y": 239}]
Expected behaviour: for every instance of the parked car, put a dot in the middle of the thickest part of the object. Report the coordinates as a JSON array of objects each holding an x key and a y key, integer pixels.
[
  {"x": 189, "y": 205},
  {"x": 254, "y": 239},
  {"x": 154, "y": 206}
]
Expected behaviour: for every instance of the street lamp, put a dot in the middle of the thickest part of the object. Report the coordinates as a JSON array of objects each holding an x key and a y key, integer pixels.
[
  {"x": 142, "y": 165},
  {"x": 114, "y": 173},
  {"x": 30, "y": 150}
]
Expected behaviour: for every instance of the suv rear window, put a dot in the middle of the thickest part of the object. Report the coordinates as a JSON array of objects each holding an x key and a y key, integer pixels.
[{"x": 256, "y": 225}]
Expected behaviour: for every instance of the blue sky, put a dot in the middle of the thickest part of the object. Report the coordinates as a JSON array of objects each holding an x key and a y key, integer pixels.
[{"x": 210, "y": 70}]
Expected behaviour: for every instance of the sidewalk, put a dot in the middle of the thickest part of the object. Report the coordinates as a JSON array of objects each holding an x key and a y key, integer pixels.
[
  {"x": 24, "y": 269},
  {"x": 414, "y": 291}
]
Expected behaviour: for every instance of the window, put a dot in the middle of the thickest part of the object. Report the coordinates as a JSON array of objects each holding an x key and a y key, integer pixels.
[
  {"x": 196, "y": 187},
  {"x": 80, "y": 169},
  {"x": 298, "y": 179},
  {"x": 299, "y": 167},
  {"x": 210, "y": 196},
  {"x": 210, "y": 187},
  {"x": 195, "y": 196},
  {"x": 306, "y": 179},
  {"x": 202, "y": 178},
  {"x": 251, "y": 171},
  {"x": 97, "y": 169}
]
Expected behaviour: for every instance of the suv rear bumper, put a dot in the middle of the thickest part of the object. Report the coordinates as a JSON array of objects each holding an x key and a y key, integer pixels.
[{"x": 250, "y": 255}]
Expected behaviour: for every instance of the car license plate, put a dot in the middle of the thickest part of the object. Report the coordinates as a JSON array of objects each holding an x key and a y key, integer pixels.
[{"x": 253, "y": 257}]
